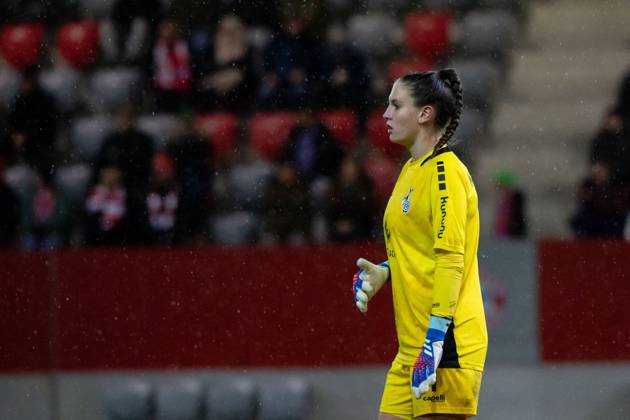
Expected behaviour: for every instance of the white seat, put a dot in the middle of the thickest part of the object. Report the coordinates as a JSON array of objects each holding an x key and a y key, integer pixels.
[
  {"x": 64, "y": 84},
  {"x": 231, "y": 400},
  {"x": 9, "y": 85},
  {"x": 109, "y": 89},
  {"x": 161, "y": 127},
  {"x": 128, "y": 400},
  {"x": 286, "y": 400},
  {"x": 88, "y": 134},
  {"x": 376, "y": 33},
  {"x": 179, "y": 400}
]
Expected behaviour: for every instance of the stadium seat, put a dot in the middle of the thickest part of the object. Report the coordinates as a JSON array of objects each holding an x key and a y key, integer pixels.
[
  {"x": 161, "y": 127},
  {"x": 287, "y": 400},
  {"x": 480, "y": 80},
  {"x": 110, "y": 89},
  {"x": 518, "y": 9},
  {"x": 376, "y": 33},
  {"x": 9, "y": 85},
  {"x": 343, "y": 126},
  {"x": 427, "y": 33},
  {"x": 64, "y": 84},
  {"x": 72, "y": 181},
  {"x": 77, "y": 43},
  {"x": 221, "y": 129},
  {"x": 128, "y": 400},
  {"x": 96, "y": 9},
  {"x": 235, "y": 228},
  {"x": 488, "y": 33},
  {"x": 179, "y": 400},
  {"x": 383, "y": 171},
  {"x": 268, "y": 132},
  {"x": 21, "y": 178},
  {"x": 471, "y": 127},
  {"x": 399, "y": 68},
  {"x": 231, "y": 400},
  {"x": 88, "y": 134},
  {"x": 246, "y": 183},
  {"x": 458, "y": 6},
  {"x": 20, "y": 45},
  {"x": 378, "y": 136}
]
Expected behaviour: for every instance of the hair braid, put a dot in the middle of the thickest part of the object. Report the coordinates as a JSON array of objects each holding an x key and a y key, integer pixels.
[{"x": 452, "y": 81}]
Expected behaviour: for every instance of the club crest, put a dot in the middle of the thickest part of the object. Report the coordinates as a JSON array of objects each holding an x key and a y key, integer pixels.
[{"x": 406, "y": 201}]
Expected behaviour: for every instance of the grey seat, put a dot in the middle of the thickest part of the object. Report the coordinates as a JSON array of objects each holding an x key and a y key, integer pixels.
[
  {"x": 109, "y": 89},
  {"x": 21, "y": 178},
  {"x": 231, "y": 400},
  {"x": 481, "y": 79},
  {"x": 287, "y": 400},
  {"x": 489, "y": 33},
  {"x": 235, "y": 228},
  {"x": 72, "y": 181},
  {"x": 161, "y": 127},
  {"x": 88, "y": 134},
  {"x": 9, "y": 85},
  {"x": 96, "y": 8},
  {"x": 246, "y": 183},
  {"x": 179, "y": 400},
  {"x": 128, "y": 400},
  {"x": 377, "y": 33},
  {"x": 64, "y": 84}
]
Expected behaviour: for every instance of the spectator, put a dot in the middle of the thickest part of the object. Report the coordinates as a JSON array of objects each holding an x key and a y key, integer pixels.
[
  {"x": 129, "y": 30},
  {"x": 612, "y": 146},
  {"x": 9, "y": 212},
  {"x": 130, "y": 150},
  {"x": 312, "y": 150},
  {"x": 289, "y": 68},
  {"x": 192, "y": 156},
  {"x": 351, "y": 209},
  {"x": 32, "y": 121},
  {"x": 510, "y": 219},
  {"x": 107, "y": 219},
  {"x": 225, "y": 71},
  {"x": 46, "y": 221},
  {"x": 602, "y": 205},
  {"x": 171, "y": 69},
  {"x": 163, "y": 201},
  {"x": 344, "y": 73},
  {"x": 288, "y": 213}
]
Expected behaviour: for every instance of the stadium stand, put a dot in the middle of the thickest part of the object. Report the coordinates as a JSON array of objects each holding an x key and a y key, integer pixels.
[{"x": 128, "y": 400}]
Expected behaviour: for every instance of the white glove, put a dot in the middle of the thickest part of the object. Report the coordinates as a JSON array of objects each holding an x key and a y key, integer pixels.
[{"x": 367, "y": 281}]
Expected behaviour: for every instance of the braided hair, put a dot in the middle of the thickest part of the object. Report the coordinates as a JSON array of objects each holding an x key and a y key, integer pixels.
[{"x": 443, "y": 90}]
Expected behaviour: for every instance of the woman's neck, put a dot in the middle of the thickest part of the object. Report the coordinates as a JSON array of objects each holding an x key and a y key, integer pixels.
[{"x": 424, "y": 143}]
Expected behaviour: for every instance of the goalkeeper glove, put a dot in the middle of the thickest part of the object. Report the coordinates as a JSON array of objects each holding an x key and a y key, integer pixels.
[
  {"x": 368, "y": 281},
  {"x": 424, "y": 369}
]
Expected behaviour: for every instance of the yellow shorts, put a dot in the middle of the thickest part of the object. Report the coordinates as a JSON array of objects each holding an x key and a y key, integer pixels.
[{"x": 456, "y": 392}]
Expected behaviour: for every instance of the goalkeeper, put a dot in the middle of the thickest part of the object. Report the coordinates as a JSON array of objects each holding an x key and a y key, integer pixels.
[{"x": 431, "y": 227}]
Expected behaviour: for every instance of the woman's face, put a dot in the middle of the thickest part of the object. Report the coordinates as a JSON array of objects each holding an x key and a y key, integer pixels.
[{"x": 401, "y": 115}]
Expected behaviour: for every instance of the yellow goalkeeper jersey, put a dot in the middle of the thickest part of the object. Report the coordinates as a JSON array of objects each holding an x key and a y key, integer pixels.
[{"x": 434, "y": 206}]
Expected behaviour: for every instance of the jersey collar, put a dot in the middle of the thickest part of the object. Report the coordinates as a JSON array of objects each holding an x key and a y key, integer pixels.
[{"x": 432, "y": 155}]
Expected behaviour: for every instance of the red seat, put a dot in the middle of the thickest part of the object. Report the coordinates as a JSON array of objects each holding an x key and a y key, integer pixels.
[
  {"x": 20, "y": 45},
  {"x": 221, "y": 130},
  {"x": 78, "y": 43},
  {"x": 343, "y": 126},
  {"x": 427, "y": 34},
  {"x": 383, "y": 171},
  {"x": 268, "y": 132},
  {"x": 378, "y": 136},
  {"x": 399, "y": 68}
]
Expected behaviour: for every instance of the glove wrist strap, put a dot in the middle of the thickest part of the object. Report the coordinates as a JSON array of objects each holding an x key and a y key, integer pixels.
[{"x": 385, "y": 264}]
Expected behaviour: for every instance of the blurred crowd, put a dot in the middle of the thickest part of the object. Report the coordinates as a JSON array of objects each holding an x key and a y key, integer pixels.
[
  {"x": 603, "y": 197},
  {"x": 159, "y": 122}
]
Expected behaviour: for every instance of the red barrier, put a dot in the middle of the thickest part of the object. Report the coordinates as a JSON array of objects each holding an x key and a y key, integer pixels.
[
  {"x": 25, "y": 304},
  {"x": 214, "y": 307},
  {"x": 584, "y": 294}
]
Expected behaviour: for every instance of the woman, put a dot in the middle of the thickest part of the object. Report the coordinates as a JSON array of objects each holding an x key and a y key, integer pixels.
[
  {"x": 431, "y": 227},
  {"x": 225, "y": 72}
]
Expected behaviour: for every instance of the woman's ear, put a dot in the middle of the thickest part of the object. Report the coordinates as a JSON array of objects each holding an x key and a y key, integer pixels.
[{"x": 426, "y": 114}]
